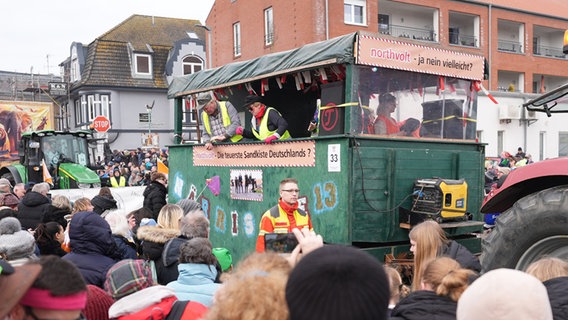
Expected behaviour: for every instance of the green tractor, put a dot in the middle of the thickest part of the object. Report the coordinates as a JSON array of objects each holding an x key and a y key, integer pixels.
[{"x": 65, "y": 155}]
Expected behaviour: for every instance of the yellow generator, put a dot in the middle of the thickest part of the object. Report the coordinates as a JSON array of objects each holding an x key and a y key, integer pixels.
[{"x": 442, "y": 199}]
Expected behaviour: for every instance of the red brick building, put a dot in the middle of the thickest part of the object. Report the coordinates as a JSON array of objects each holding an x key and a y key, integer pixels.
[{"x": 522, "y": 40}]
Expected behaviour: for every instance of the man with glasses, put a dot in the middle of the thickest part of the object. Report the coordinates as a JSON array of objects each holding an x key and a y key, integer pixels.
[
  {"x": 220, "y": 120},
  {"x": 267, "y": 124},
  {"x": 285, "y": 216}
]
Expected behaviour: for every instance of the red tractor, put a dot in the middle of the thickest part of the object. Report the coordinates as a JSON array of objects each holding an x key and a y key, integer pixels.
[{"x": 533, "y": 202}]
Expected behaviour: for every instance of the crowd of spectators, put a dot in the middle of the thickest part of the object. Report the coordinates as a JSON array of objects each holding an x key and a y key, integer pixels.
[
  {"x": 87, "y": 259},
  {"x": 135, "y": 166}
]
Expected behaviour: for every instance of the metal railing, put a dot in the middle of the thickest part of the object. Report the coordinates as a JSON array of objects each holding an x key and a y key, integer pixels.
[
  {"x": 549, "y": 52},
  {"x": 408, "y": 32},
  {"x": 510, "y": 46},
  {"x": 463, "y": 40}
]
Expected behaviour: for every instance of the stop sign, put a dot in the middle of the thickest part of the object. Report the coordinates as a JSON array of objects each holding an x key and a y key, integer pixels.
[{"x": 101, "y": 124}]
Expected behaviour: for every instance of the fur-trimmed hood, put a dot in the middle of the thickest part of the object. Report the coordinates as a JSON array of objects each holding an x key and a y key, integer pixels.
[{"x": 156, "y": 234}]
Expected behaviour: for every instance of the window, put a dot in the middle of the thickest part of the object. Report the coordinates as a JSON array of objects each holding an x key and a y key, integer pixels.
[
  {"x": 500, "y": 139},
  {"x": 142, "y": 64},
  {"x": 384, "y": 23},
  {"x": 268, "y": 27},
  {"x": 75, "y": 67},
  {"x": 192, "y": 64},
  {"x": 237, "y": 39},
  {"x": 541, "y": 146},
  {"x": 562, "y": 144},
  {"x": 90, "y": 106},
  {"x": 355, "y": 11}
]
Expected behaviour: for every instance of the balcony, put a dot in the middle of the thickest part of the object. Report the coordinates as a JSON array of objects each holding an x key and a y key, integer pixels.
[
  {"x": 408, "y": 32},
  {"x": 510, "y": 46},
  {"x": 463, "y": 29},
  {"x": 544, "y": 51},
  {"x": 548, "y": 42},
  {"x": 463, "y": 40}
]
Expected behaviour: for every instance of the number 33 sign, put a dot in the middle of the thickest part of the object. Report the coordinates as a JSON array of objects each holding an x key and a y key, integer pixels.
[{"x": 334, "y": 158}]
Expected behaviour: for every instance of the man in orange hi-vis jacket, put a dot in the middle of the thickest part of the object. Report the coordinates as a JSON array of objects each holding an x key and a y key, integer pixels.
[{"x": 285, "y": 216}]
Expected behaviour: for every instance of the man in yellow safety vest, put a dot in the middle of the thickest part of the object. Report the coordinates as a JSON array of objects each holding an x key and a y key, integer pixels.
[{"x": 220, "y": 120}]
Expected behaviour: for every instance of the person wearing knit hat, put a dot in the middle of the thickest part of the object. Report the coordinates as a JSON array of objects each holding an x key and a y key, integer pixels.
[
  {"x": 128, "y": 276},
  {"x": 59, "y": 292},
  {"x": 188, "y": 205},
  {"x": 224, "y": 257},
  {"x": 98, "y": 303},
  {"x": 338, "y": 282},
  {"x": 14, "y": 282},
  {"x": 505, "y": 294},
  {"x": 16, "y": 245}
]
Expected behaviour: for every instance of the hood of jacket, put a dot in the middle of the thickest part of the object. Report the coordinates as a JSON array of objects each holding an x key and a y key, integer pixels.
[
  {"x": 102, "y": 203},
  {"x": 196, "y": 274},
  {"x": 424, "y": 304},
  {"x": 156, "y": 234},
  {"x": 34, "y": 199},
  {"x": 154, "y": 186},
  {"x": 557, "y": 289},
  {"x": 89, "y": 233}
]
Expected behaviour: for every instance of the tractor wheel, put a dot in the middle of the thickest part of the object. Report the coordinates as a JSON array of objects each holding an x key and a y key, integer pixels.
[{"x": 534, "y": 227}]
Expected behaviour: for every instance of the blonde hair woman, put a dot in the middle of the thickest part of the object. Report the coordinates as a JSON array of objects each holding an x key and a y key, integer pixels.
[
  {"x": 155, "y": 237},
  {"x": 443, "y": 282},
  {"x": 82, "y": 204},
  {"x": 548, "y": 268},
  {"x": 428, "y": 241},
  {"x": 169, "y": 216}
]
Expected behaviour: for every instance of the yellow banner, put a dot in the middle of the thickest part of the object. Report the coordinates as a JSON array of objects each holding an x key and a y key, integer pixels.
[
  {"x": 279, "y": 154},
  {"x": 392, "y": 54}
]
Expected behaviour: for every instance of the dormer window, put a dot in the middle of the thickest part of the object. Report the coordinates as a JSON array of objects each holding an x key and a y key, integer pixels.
[{"x": 142, "y": 64}]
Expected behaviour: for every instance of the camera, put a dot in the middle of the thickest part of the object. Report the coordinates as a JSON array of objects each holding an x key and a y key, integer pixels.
[{"x": 280, "y": 242}]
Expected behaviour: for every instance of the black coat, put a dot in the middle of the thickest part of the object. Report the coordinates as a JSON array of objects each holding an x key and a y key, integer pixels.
[
  {"x": 420, "y": 305},
  {"x": 153, "y": 239},
  {"x": 53, "y": 213},
  {"x": 101, "y": 204},
  {"x": 155, "y": 197},
  {"x": 31, "y": 209},
  {"x": 125, "y": 248},
  {"x": 460, "y": 253},
  {"x": 167, "y": 265},
  {"x": 93, "y": 249},
  {"x": 557, "y": 289}
]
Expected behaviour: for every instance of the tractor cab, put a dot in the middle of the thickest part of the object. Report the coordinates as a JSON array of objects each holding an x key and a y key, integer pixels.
[{"x": 65, "y": 156}]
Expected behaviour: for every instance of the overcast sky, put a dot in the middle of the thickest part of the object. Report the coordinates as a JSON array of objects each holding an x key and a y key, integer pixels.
[{"x": 33, "y": 32}]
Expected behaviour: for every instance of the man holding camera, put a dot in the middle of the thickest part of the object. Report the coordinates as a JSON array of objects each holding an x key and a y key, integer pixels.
[{"x": 285, "y": 216}]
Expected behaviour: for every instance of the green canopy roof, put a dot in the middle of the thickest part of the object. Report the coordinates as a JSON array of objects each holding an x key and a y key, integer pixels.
[{"x": 334, "y": 51}]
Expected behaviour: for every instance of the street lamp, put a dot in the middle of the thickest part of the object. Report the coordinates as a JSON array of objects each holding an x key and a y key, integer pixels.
[
  {"x": 149, "y": 110},
  {"x": 209, "y": 44}
]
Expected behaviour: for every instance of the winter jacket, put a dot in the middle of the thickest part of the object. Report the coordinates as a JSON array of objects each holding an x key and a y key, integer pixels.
[
  {"x": 167, "y": 265},
  {"x": 557, "y": 289},
  {"x": 93, "y": 249},
  {"x": 153, "y": 239},
  {"x": 102, "y": 204},
  {"x": 155, "y": 197},
  {"x": 53, "y": 213},
  {"x": 460, "y": 253},
  {"x": 157, "y": 303},
  {"x": 196, "y": 283},
  {"x": 31, "y": 209},
  {"x": 125, "y": 248},
  {"x": 424, "y": 304}
]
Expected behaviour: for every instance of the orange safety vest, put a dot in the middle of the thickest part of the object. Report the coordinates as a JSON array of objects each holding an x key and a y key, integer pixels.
[{"x": 279, "y": 223}]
